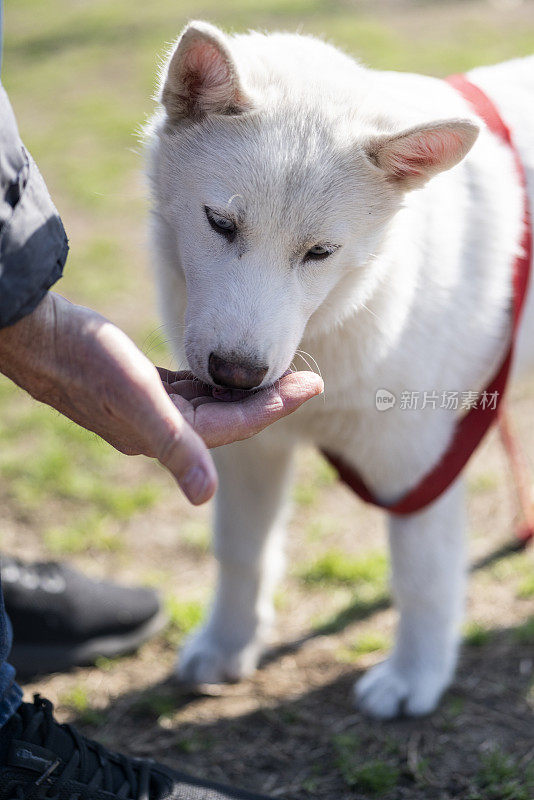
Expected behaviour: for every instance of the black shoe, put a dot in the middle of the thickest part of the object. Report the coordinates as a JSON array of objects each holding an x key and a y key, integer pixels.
[
  {"x": 41, "y": 759},
  {"x": 63, "y": 619}
]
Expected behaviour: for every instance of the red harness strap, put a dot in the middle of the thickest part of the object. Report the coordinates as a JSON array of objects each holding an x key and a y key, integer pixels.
[{"x": 471, "y": 428}]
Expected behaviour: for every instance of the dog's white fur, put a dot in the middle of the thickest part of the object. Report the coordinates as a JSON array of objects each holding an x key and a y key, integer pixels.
[{"x": 302, "y": 145}]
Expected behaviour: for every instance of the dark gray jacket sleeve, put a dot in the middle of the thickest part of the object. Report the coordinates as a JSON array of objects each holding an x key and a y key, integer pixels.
[{"x": 33, "y": 243}]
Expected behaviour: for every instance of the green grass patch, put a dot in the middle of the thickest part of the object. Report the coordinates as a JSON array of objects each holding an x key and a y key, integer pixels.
[
  {"x": 321, "y": 528},
  {"x": 375, "y": 777},
  {"x": 47, "y": 456},
  {"x": 476, "y": 635},
  {"x": 120, "y": 502},
  {"x": 524, "y": 634},
  {"x": 155, "y": 578},
  {"x": 337, "y": 568},
  {"x": 184, "y": 616},
  {"x": 367, "y": 642},
  {"x": 310, "y": 785},
  {"x": 197, "y": 535},
  {"x": 107, "y": 664},
  {"x": 500, "y": 777},
  {"x": 89, "y": 534},
  {"x": 483, "y": 483},
  {"x": 193, "y": 743},
  {"x": 516, "y": 565},
  {"x": 77, "y": 700},
  {"x": 305, "y": 494},
  {"x": 159, "y": 705},
  {"x": 281, "y": 599},
  {"x": 87, "y": 263},
  {"x": 525, "y": 590},
  {"x": 455, "y": 706},
  {"x": 320, "y": 475},
  {"x": 325, "y": 474}
]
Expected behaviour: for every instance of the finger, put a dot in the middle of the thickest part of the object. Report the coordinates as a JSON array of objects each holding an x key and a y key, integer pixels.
[
  {"x": 223, "y": 422},
  {"x": 190, "y": 389},
  {"x": 177, "y": 446},
  {"x": 221, "y": 393},
  {"x": 170, "y": 376},
  {"x": 185, "y": 455}
]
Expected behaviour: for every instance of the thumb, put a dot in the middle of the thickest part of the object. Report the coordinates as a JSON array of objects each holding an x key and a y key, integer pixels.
[{"x": 181, "y": 451}]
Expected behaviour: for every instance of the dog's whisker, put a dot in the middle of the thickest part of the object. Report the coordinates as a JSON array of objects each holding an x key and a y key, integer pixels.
[
  {"x": 370, "y": 311},
  {"x": 320, "y": 375},
  {"x": 303, "y": 354},
  {"x": 303, "y": 358},
  {"x": 309, "y": 355}
]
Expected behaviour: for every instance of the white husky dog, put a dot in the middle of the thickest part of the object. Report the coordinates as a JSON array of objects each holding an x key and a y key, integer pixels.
[{"x": 302, "y": 200}]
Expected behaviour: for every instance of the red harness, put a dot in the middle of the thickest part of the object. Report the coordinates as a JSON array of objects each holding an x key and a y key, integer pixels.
[{"x": 472, "y": 427}]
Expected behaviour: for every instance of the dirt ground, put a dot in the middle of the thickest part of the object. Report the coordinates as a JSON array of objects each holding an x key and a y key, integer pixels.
[{"x": 291, "y": 731}]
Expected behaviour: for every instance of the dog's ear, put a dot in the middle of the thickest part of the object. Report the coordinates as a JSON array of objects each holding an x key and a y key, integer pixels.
[
  {"x": 413, "y": 156},
  {"x": 202, "y": 76}
]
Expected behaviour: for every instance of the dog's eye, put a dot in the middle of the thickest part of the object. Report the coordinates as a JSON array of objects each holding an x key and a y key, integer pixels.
[
  {"x": 223, "y": 225},
  {"x": 319, "y": 251}
]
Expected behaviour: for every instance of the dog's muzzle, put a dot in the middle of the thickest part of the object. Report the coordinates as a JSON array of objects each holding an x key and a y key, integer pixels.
[{"x": 235, "y": 374}]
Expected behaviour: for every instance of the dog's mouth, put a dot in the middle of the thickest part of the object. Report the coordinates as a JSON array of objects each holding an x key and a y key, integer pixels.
[{"x": 227, "y": 393}]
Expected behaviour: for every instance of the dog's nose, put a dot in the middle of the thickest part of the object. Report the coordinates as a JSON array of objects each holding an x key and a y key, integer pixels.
[{"x": 235, "y": 374}]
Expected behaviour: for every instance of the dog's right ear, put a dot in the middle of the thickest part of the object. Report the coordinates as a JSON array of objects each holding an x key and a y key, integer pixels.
[{"x": 202, "y": 76}]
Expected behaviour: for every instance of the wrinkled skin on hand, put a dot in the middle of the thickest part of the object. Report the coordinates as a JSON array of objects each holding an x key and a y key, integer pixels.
[{"x": 78, "y": 362}]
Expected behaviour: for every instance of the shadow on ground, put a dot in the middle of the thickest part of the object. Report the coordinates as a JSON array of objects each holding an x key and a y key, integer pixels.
[{"x": 315, "y": 744}]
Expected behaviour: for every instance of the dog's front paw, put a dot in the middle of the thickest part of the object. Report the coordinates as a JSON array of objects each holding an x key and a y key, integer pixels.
[
  {"x": 387, "y": 691},
  {"x": 205, "y": 659}
]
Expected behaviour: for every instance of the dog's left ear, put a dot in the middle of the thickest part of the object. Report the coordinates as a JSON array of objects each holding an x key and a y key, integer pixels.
[
  {"x": 202, "y": 76},
  {"x": 411, "y": 157}
]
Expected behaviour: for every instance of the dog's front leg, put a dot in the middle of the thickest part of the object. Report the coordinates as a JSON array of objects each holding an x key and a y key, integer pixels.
[
  {"x": 249, "y": 530},
  {"x": 428, "y": 578}
]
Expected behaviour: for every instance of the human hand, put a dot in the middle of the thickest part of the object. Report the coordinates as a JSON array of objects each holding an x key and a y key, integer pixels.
[
  {"x": 222, "y": 416},
  {"x": 78, "y": 362}
]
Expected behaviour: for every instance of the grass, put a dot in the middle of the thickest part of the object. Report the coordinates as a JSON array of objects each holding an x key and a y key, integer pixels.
[
  {"x": 516, "y": 565},
  {"x": 476, "y": 635},
  {"x": 77, "y": 700},
  {"x": 197, "y": 535},
  {"x": 524, "y": 634},
  {"x": 500, "y": 777},
  {"x": 45, "y": 455},
  {"x": 157, "y": 704},
  {"x": 107, "y": 664},
  {"x": 318, "y": 476},
  {"x": 455, "y": 707},
  {"x": 81, "y": 76},
  {"x": 321, "y": 527},
  {"x": 525, "y": 589},
  {"x": 484, "y": 482},
  {"x": 375, "y": 777},
  {"x": 335, "y": 568},
  {"x": 184, "y": 615},
  {"x": 192, "y": 744},
  {"x": 367, "y": 642},
  {"x": 91, "y": 534}
]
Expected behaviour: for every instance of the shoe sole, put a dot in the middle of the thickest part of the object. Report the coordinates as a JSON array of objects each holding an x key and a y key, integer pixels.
[
  {"x": 31, "y": 660},
  {"x": 187, "y": 786}
]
